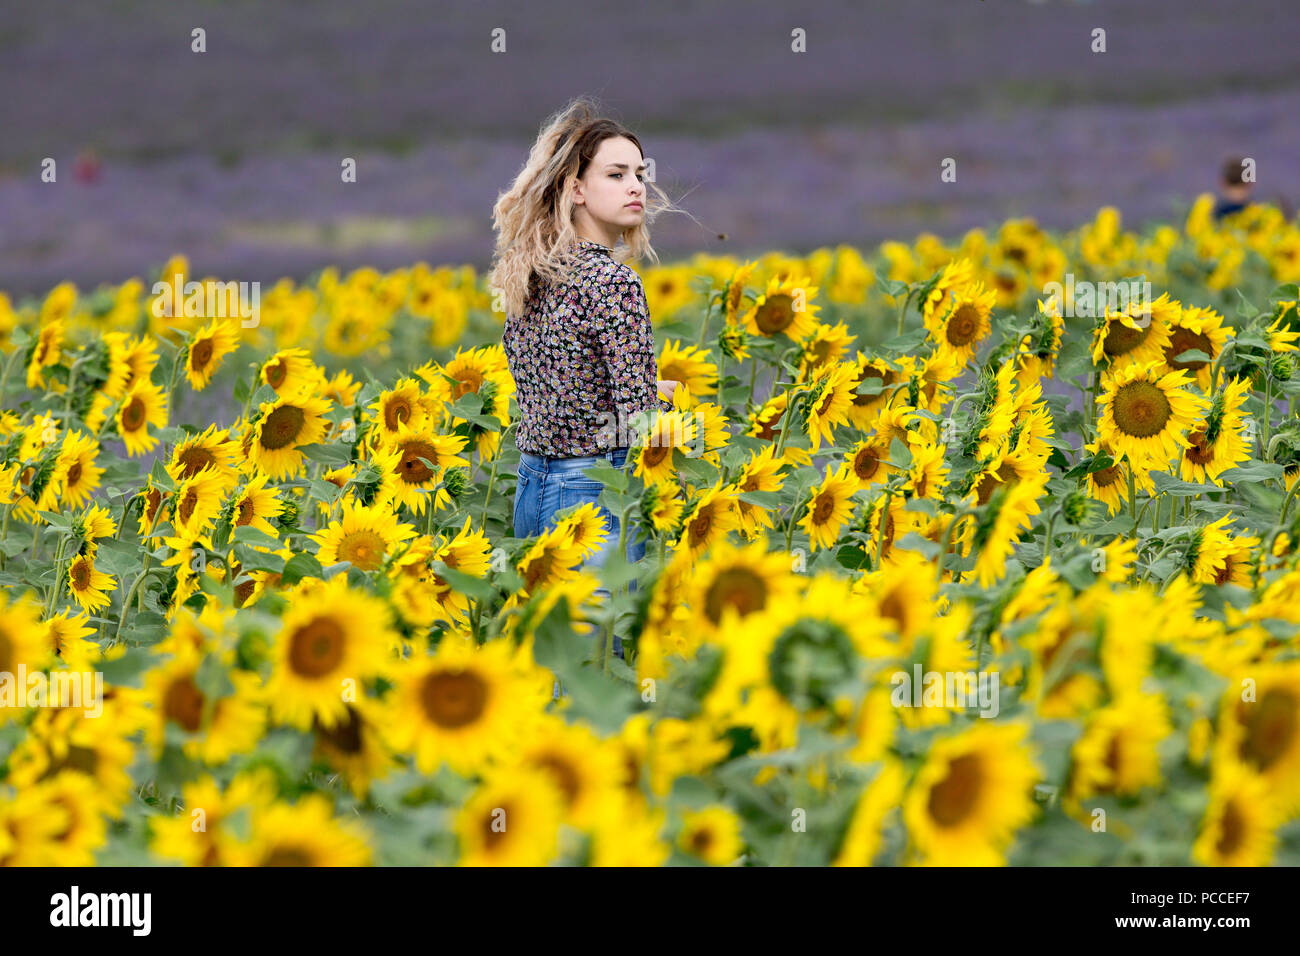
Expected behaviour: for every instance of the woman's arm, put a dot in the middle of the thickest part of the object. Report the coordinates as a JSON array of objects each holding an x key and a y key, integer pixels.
[{"x": 622, "y": 322}]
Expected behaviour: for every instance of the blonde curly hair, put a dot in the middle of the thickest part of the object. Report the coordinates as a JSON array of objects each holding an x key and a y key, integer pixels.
[{"x": 533, "y": 219}]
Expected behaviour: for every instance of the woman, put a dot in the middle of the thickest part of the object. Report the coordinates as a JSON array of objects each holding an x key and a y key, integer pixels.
[{"x": 577, "y": 336}]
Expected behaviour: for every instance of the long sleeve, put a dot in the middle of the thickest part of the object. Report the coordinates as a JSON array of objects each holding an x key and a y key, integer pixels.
[{"x": 627, "y": 346}]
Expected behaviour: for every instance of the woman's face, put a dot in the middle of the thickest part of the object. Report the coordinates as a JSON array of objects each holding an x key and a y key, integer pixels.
[{"x": 612, "y": 191}]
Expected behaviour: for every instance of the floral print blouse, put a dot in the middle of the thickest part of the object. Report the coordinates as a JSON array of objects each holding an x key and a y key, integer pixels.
[{"x": 583, "y": 359}]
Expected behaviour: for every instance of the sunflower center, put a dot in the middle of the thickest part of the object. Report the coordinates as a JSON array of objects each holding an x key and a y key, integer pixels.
[
  {"x": 990, "y": 483},
  {"x": 1141, "y": 409},
  {"x": 954, "y": 797},
  {"x": 194, "y": 459},
  {"x": 317, "y": 647},
  {"x": 964, "y": 325},
  {"x": 1183, "y": 340},
  {"x": 6, "y": 653},
  {"x": 282, "y": 427},
  {"x": 492, "y": 835},
  {"x": 895, "y": 609},
  {"x": 866, "y": 463},
  {"x": 397, "y": 413},
  {"x": 345, "y": 736},
  {"x": 1224, "y": 575},
  {"x": 701, "y": 525},
  {"x": 245, "y": 512},
  {"x": 701, "y": 841},
  {"x": 566, "y": 778},
  {"x": 276, "y": 373},
  {"x": 81, "y": 574},
  {"x": 186, "y": 507},
  {"x": 133, "y": 415},
  {"x": 1199, "y": 451},
  {"x": 454, "y": 699},
  {"x": 365, "y": 549},
  {"x": 74, "y": 474},
  {"x": 1232, "y": 829},
  {"x": 775, "y": 314},
  {"x": 739, "y": 588},
  {"x": 1270, "y": 728},
  {"x": 288, "y": 856},
  {"x": 183, "y": 703},
  {"x": 200, "y": 355},
  {"x": 412, "y": 470},
  {"x": 652, "y": 455},
  {"x": 152, "y": 501},
  {"x": 1121, "y": 339},
  {"x": 824, "y": 508},
  {"x": 467, "y": 380},
  {"x": 767, "y": 430}
]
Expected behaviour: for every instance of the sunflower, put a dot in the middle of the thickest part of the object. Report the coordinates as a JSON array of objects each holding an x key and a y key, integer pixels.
[
  {"x": 141, "y": 359},
  {"x": 584, "y": 768},
  {"x": 825, "y": 346},
  {"x": 48, "y": 351},
  {"x": 212, "y": 450},
  {"x": 206, "y": 351},
  {"x": 662, "y": 506},
  {"x": 862, "y": 413},
  {"x": 513, "y": 819},
  {"x": 327, "y": 646},
  {"x": 971, "y": 795},
  {"x": 29, "y": 828},
  {"x": 709, "y": 520},
  {"x": 197, "y": 502},
  {"x": 965, "y": 325},
  {"x": 830, "y": 507},
  {"x": 958, "y": 273},
  {"x": 1147, "y": 414},
  {"x": 256, "y": 505},
  {"x": 1037, "y": 352},
  {"x": 354, "y": 747},
  {"x": 414, "y": 463},
  {"x": 760, "y": 473},
  {"x": 283, "y": 425},
  {"x": 829, "y": 402},
  {"x": 403, "y": 406},
  {"x": 68, "y": 742},
  {"x": 1008, "y": 513},
  {"x": 668, "y": 431},
  {"x": 689, "y": 365},
  {"x": 464, "y": 705},
  {"x": 735, "y": 582},
  {"x": 291, "y": 372},
  {"x": 303, "y": 834},
  {"x": 78, "y": 475},
  {"x": 734, "y": 291},
  {"x": 1119, "y": 750},
  {"x": 784, "y": 307},
  {"x": 1263, "y": 732},
  {"x": 362, "y": 536},
  {"x": 1240, "y": 823},
  {"x": 143, "y": 405},
  {"x": 1216, "y": 442},
  {"x": 214, "y": 730},
  {"x": 630, "y": 838},
  {"x": 1198, "y": 329},
  {"x": 22, "y": 642},
  {"x": 70, "y": 641},
  {"x": 1137, "y": 333},
  {"x": 587, "y": 528},
  {"x": 878, "y": 799},
  {"x": 711, "y": 835},
  {"x": 549, "y": 561},
  {"x": 85, "y": 830},
  {"x": 89, "y": 587},
  {"x": 927, "y": 474},
  {"x": 342, "y": 389},
  {"x": 178, "y": 838},
  {"x": 1110, "y": 484}
]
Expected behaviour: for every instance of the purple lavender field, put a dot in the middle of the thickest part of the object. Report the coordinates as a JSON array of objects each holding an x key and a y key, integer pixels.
[{"x": 232, "y": 156}]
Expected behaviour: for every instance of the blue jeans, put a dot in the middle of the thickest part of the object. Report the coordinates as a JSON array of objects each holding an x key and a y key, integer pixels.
[{"x": 549, "y": 485}]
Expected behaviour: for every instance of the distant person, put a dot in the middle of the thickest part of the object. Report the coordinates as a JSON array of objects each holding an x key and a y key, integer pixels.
[{"x": 1234, "y": 191}]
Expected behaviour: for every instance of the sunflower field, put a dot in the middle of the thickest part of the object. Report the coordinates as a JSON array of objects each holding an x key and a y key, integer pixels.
[{"x": 287, "y": 551}]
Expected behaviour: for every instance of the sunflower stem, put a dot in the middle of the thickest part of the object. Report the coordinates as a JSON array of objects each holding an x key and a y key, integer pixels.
[
  {"x": 56, "y": 586},
  {"x": 4, "y": 379},
  {"x": 884, "y": 522},
  {"x": 945, "y": 543}
]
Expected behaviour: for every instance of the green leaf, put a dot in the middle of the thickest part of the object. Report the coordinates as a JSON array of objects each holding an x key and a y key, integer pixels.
[
  {"x": 608, "y": 475},
  {"x": 1252, "y": 471},
  {"x": 336, "y": 456},
  {"x": 247, "y": 534},
  {"x": 477, "y": 588},
  {"x": 300, "y": 566}
]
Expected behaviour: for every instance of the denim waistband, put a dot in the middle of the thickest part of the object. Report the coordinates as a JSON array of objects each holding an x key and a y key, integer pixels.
[{"x": 615, "y": 456}]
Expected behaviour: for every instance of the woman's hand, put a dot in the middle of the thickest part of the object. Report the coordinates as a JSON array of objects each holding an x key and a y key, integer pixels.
[{"x": 667, "y": 387}]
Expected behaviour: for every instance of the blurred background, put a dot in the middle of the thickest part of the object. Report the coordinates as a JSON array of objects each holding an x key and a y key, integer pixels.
[{"x": 232, "y": 156}]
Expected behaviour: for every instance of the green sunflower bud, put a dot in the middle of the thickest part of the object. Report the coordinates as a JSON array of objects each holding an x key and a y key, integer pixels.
[
  {"x": 1283, "y": 367},
  {"x": 456, "y": 481},
  {"x": 288, "y": 519},
  {"x": 1075, "y": 507}
]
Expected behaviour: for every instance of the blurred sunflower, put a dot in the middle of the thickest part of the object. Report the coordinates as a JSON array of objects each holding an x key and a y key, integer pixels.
[
  {"x": 206, "y": 350},
  {"x": 362, "y": 536},
  {"x": 143, "y": 405},
  {"x": 711, "y": 835},
  {"x": 512, "y": 819}
]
